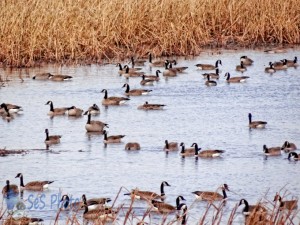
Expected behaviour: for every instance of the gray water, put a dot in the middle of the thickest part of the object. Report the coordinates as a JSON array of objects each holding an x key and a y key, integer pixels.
[{"x": 213, "y": 117}]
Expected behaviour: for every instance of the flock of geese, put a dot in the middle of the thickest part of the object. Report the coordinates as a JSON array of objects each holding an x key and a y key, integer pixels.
[{"x": 96, "y": 208}]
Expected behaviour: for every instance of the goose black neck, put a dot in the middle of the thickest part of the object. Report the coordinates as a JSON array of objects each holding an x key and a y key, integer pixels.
[
  {"x": 166, "y": 65},
  {"x": 127, "y": 88},
  {"x": 47, "y": 135},
  {"x": 21, "y": 181},
  {"x": 105, "y": 92},
  {"x": 7, "y": 186},
  {"x": 182, "y": 149},
  {"x": 162, "y": 189},
  {"x": 196, "y": 149},
  {"x": 51, "y": 107},
  {"x": 295, "y": 59},
  {"x": 246, "y": 209},
  {"x": 157, "y": 73},
  {"x": 132, "y": 62},
  {"x": 67, "y": 200},
  {"x": 167, "y": 145},
  {"x": 217, "y": 71},
  {"x": 177, "y": 202},
  {"x": 150, "y": 58},
  {"x": 85, "y": 209},
  {"x": 228, "y": 76},
  {"x": 105, "y": 136},
  {"x": 250, "y": 118},
  {"x": 224, "y": 193},
  {"x": 120, "y": 66},
  {"x": 89, "y": 119}
]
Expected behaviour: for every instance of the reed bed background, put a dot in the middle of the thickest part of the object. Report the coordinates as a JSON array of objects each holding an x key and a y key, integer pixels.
[{"x": 92, "y": 30}]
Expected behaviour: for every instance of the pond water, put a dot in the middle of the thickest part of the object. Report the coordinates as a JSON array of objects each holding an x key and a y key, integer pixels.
[{"x": 214, "y": 117}]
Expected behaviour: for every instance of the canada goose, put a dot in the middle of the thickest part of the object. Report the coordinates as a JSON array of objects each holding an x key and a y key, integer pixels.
[
  {"x": 53, "y": 139},
  {"x": 137, "y": 62},
  {"x": 113, "y": 100},
  {"x": 183, "y": 207},
  {"x": 132, "y": 146},
  {"x": 186, "y": 151},
  {"x": 33, "y": 185},
  {"x": 123, "y": 70},
  {"x": 206, "y": 153},
  {"x": 94, "y": 109},
  {"x": 10, "y": 189},
  {"x": 165, "y": 208},
  {"x": 129, "y": 73},
  {"x": 241, "y": 67},
  {"x": 73, "y": 111},
  {"x": 6, "y": 115},
  {"x": 178, "y": 69},
  {"x": 156, "y": 63},
  {"x": 169, "y": 72},
  {"x": 271, "y": 151},
  {"x": 288, "y": 146},
  {"x": 60, "y": 77},
  {"x": 256, "y": 124},
  {"x": 294, "y": 156},
  {"x": 23, "y": 221},
  {"x": 75, "y": 205},
  {"x": 94, "y": 125},
  {"x": 56, "y": 111},
  {"x": 235, "y": 79},
  {"x": 170, "y": 146},
  {"x": 146, "y": 81},
  {"x": 71, "y": 204},
  {"x": 135, "y": 92},
  {"x": 149, "y": 195},
  {"x": 292, "y": 63},
  {"x": 42, "y": 76},
  {"x": 11, "y": 108},
  {"x": 94, "y": 203},
  {"x": 212, "y": 196},
  {"x": 102, "y": 214},
  {"x": 215, "y": 75},
  {"x": 248, "y": 209},
  {"x": 246, "y": 60},
  {"x": 270, "y": 68},
  {"x": 154, "y": 77},
  {"x": 147, "y": 106},
  {"x": 280, "y": 65},
  {"x": 209, "y": 66},
  {"x": 210, "y": 82},
  {"x": 290, "y": 204},
  {"x": 112, "y": 138}
]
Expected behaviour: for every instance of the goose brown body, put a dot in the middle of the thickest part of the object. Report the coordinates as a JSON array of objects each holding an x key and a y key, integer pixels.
[
  {"x": 112, "y": 138},
  {"x": 212, "y": 195},
  {"x": 33, "y": 185},
  {"x": 51, "y": 139},
  {"x": 256, "y": 124},
  {"x": 202, "y": 66},
  {"x": 113, "y": 100},
  {"x": 147, "y": 106},
  {"x": 10, "y": 189},
  {"x": 135, "y": 92},
  {"x": 170, "y": 146},
  {"x": 132, "y": 146},
  {"x": 94, "y": 125},
  {"x": 273, "y": 151},
  {"x": 56, "y": 111}
]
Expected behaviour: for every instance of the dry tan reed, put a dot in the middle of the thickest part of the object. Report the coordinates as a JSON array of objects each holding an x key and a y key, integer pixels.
[{"x": 92, "y": 30}]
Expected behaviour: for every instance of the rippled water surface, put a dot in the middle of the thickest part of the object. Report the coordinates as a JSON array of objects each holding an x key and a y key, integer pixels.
[{"x": 213, "y": 117}]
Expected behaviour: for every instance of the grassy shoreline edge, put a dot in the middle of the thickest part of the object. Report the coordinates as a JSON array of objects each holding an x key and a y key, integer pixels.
[{"x": 94, "y": 30}]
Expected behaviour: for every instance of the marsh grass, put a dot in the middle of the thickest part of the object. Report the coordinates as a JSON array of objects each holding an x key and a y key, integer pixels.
[
  {"x": 213, "y": 214},
  {"x": 90, "y": 31}
]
